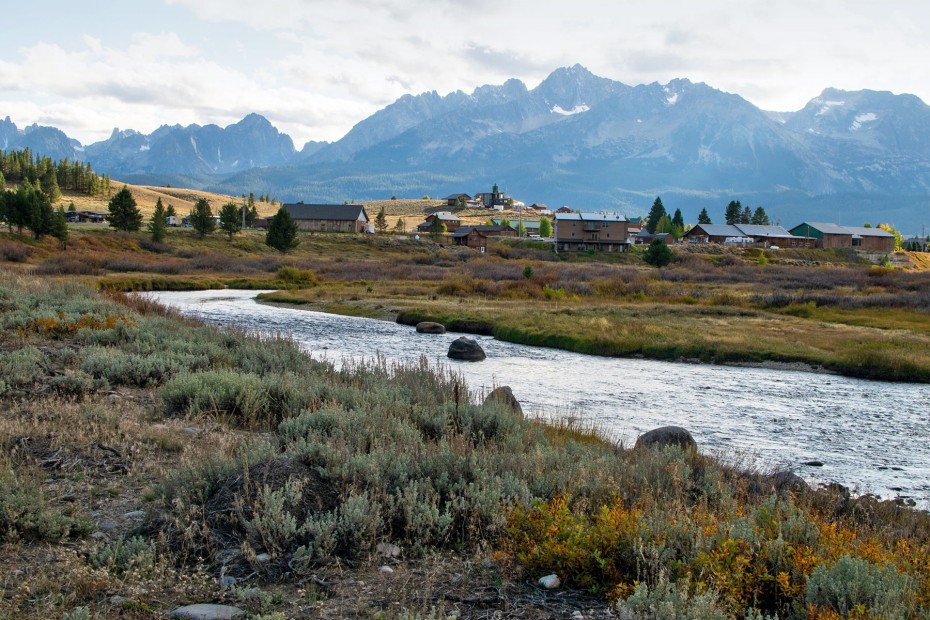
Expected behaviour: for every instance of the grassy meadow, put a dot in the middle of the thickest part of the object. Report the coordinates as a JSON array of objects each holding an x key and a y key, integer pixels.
[
  {"x": 822, "y": 309},
  {"x": 150, "y": 461}
]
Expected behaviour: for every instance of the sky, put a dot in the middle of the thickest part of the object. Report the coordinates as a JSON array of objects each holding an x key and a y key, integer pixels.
[{"x": 315, "y": 68}]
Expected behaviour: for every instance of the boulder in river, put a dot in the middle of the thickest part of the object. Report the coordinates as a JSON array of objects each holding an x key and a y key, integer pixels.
[
  {"x": 667, "y": 436},
  {"x": 466, "y": 349},
  {"x": 504, "y": 396},
  {"x": 429, "y": 327}
]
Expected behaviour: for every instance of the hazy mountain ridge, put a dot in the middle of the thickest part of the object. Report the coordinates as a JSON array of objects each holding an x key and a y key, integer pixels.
[{"x": 576, "y": 138}]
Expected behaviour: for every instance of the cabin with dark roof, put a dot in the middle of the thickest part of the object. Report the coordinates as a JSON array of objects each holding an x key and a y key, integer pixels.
[
  {"x": 477, "y": 237},
  {"x": 453, "y": 199},
  {"x": 450, "y": 221},
  {"x": 329, "y": 218}
]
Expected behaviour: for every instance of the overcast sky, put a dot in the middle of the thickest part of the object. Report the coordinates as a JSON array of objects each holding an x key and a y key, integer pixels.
[{"x": 314, "y": 68}]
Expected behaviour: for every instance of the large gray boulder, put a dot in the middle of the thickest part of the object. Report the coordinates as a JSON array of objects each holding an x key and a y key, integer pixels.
[
  {"x": 466, "y": 349},
  {"x": 504, "y": 396},
  {"x": 667, "y": 436},
  {"x": 428, "y": 327}
]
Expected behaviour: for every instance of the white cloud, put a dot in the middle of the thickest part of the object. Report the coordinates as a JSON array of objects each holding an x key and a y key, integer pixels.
[{"x": 316, "y": 68}]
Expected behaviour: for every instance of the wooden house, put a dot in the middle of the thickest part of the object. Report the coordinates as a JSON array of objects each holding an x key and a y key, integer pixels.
[
  {"x": 329, "y": 218},
  {"x": 607, "y": 232},
  {"x": 450, "y": 221},
  {"x": 477, "y": 237}
]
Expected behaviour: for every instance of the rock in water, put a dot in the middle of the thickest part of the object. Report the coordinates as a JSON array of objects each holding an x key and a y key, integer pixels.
[
  {"x": 504, "y": 395},
  {"x": 428, "y": 327},
  {"x": 466, "y": 349},
  {"x": 667, "y": 436},
  {"x": 208, "y": 612}
]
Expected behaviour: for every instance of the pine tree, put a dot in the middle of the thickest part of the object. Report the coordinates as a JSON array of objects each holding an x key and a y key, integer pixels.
[
  {"x": 282, "y": 231},
  {"x": 50, "y": 182},
  {"x": 59, "y": 228},
  {"x": 158, "y": 225},
  {"x": 658, "y": 254},
  {"x": 41, "y": 216},
  {"x": 170, "y": 212},
  {"x": 381, "y": 224},
  {"x": 655, "y": 214},
  {"x": 251, "y": 214},
  {"x": 746, "y": 216},
  {"x": 734, "y": 212},
  {"x": 665, "y": 225},
  {"x": 677, "y": 220},
  {"x": 124, "y": 214},
  {"x": 400, "y": 226},
  {"x": 436, "y": 227},
  {"x": 202, "y": 218},
  {"x": 230, "y": 219},
  {"x": 703, "y": 218},
  {"x": 760, "y": 217}
]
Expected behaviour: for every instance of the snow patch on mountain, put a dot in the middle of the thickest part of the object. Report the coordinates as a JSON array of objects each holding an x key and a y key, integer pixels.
[
  {"x": 578, "y": 109},
  {"x": 672, "y": 99},
  {"x": 828, "y": 105},
  {"x": 868, "y": 117}
]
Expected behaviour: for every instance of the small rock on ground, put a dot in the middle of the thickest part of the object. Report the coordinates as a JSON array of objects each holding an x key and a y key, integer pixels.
[
  {"x": 550, "y": 582},
  {"x": 206, "y": 611}
]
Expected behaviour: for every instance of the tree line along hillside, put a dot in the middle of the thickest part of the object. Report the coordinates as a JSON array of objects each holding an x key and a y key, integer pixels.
[{"x": 51, "y": 177}]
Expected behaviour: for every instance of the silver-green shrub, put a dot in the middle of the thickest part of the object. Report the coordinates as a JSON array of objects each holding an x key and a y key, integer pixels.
[
  {"x": 669, "y": 601},
  {"x": 856, "y": 584}
]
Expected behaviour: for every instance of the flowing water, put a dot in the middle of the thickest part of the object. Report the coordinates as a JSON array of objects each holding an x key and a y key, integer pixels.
[{"x": 872, "y": 436}]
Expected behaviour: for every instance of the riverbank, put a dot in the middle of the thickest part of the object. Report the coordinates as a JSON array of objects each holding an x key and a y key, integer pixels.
[
  {"x": 381, "y": 313},
  {"x": 820, "y": 308},
  {"x": 736, "y": 334},
  {"x": 150, "y": 461}
]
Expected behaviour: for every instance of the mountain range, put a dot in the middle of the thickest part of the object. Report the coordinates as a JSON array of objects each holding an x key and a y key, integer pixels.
[{"x": 577, "y": 139}]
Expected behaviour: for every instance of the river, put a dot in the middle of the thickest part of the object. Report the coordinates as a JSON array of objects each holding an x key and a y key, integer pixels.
[{"x": 871, "y": 436}]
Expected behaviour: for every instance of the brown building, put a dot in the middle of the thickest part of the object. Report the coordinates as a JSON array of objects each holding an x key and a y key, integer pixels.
[
  {"x": 454, "y": 199},
  {"x": 606, "y": 232},
  {"x": 330, "y": 218},
  {"x": 477, "y": 236},
  {"x": 451, "y": 222},
  {"x": 835, "y": 236}
]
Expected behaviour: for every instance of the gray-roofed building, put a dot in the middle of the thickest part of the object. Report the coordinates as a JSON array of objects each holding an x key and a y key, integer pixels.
[
  {"x": 329, "y": 218},
  {"x": 745, "y": 234},
  {"x": 829, "y": 235},
  {"x": 713, "y": 233},
  {"x": 608, "y": 232},
  {"x": 530, "y": 227}
]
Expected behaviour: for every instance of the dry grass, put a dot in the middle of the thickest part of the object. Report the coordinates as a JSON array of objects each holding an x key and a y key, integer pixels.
[{"x": 147, "y": 195}]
